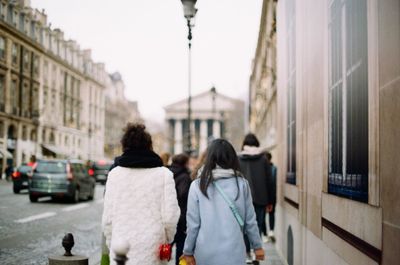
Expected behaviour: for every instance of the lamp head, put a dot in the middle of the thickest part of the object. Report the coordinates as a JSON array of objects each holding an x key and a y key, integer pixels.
[{"x": 189, "y": 8}]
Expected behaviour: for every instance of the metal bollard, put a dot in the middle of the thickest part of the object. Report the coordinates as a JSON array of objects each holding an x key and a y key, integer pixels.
[
  {"x": 68, "y": 258},
  {"x": 121, "y": 249}
]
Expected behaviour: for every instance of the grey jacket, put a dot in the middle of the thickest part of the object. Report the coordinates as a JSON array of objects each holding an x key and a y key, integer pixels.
[{"x": 214, "y": 236}]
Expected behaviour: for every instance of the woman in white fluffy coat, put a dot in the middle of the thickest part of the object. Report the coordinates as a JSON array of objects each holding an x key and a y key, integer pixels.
[{"x": 140, "y": 203}]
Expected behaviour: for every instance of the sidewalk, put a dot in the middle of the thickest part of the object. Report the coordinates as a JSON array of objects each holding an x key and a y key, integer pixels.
[{"x": 272, "y": 256}]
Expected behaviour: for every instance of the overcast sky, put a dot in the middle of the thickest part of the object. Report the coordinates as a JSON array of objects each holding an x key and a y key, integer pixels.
[{"x": 145, "y": 40}]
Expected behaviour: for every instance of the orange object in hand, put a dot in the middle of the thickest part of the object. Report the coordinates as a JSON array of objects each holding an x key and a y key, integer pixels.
[{"x": 165, "y": 252}]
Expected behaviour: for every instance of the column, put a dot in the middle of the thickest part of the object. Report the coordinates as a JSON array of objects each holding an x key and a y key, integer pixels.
[
  {"x": 203, "y": 135},
  {"x": 178, "y": 137},
  {"x": 216, "y": 129}
]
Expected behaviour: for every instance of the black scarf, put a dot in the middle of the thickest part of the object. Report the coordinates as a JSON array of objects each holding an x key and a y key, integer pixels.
[{"x": 138, "y": 159}]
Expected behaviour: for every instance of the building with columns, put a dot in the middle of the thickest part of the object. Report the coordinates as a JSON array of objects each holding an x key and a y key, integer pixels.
[
  {"x": 51, "y": 91},
  {"x": 213, "y": 116}
]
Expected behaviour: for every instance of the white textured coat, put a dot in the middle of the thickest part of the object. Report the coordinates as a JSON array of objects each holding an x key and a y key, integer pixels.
[{"x": 140, "y": 207}]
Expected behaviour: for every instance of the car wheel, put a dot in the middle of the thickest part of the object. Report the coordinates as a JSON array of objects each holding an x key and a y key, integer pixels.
[
  {"x": 33, "y": 198},
  {"x": 16, "y": 190},
  {"x": 76, "y": 196},
  {"x": 91, "y": 196}
]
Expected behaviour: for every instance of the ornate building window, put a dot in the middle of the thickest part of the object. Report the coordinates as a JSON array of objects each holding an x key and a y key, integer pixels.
[
  {"x": 35, "y": 101},
  {"x": 15, "y": 97},
  {"x": 25, "y": 96},
  {"x": 35, "y": 64},
  {"x": 291, "y": 91},
  {"x": 348, "y": 100},
  {"x": 26, "y": 60},
  {"x": 24, "y": 133},
  {"x": 14, "y": 54},
  {"x": 2, "y": 48}
]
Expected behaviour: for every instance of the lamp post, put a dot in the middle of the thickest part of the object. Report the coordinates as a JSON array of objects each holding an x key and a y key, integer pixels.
[{"x": 189, "y": 11}]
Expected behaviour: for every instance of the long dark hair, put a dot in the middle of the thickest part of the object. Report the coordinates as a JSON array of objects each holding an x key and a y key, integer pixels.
[{"x": 220, "y": 152}]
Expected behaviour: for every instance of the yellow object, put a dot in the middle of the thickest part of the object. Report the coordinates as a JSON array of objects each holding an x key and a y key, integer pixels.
[{"x": 182, "y": 262}]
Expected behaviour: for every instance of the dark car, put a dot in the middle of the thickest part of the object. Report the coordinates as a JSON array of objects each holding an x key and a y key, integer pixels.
[
  {"x": 100, "y": 171},
  {"x": 20, "y": 178},
  {"x": 61, "y": 178}
]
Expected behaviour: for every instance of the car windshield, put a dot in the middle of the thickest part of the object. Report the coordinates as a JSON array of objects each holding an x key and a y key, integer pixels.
[
  {"x": 51, "y": 167},
  {"x": 101, "y": 166},
  {"x": 24, "y": 169}
]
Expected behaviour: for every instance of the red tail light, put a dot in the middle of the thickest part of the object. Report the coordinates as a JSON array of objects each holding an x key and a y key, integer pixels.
[
  {"x": 91, "y": 172},
  {"x": 70, "y": 176},
  {"x": 16, "y": 174}
]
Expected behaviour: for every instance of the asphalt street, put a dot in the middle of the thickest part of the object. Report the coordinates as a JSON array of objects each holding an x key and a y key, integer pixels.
[{"x": 30, "y": 232}]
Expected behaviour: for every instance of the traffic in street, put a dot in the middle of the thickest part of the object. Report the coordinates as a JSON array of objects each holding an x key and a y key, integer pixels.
[{"x": 30, "y": 232}]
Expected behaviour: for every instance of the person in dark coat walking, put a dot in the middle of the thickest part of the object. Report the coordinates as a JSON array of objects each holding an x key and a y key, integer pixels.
[
  {"x": 182, "y": 179},
  {"x": 256, "y": 169},
  {"x": 271, "y": 214}
]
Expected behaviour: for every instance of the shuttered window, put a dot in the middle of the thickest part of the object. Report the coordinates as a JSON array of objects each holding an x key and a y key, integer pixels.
[{"x": 348, "y": 100}]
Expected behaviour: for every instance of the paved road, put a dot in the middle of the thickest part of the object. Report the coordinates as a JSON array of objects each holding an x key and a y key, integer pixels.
[{"x": 30, "y": 232}]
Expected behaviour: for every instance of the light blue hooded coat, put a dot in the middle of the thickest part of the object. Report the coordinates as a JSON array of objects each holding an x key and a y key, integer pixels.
[{"x": 214, "y": 236}]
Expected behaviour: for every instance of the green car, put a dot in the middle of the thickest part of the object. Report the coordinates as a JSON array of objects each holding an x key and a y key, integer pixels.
[{"x": 61, "y": 179}]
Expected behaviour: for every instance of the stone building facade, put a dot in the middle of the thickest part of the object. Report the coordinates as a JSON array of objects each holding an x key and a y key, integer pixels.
[
  {"x": 338, "y": 94},
  {"x": 262, "y": 86},
  {"x": 213, "y": 116},
  {"x": 118, "y": 112},
  {"x": 51, "y": 92}
]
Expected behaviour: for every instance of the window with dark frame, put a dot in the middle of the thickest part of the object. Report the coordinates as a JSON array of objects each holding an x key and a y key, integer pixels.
[
  {"x": 2, "y": 92},
  {"x": 291, "y": 91},
  {"x": 348, "y": 100},
  {"x": 2, "y": 48}
]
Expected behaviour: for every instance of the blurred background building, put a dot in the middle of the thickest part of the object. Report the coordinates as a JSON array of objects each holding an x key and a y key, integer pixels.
[
  {"x": 213, "y": 116},
  {"x": 262, "y": 92},
  {"x": 52, "y": 94},
  {"x": 338, "y": 89},
  {"x": 118, "y": 112}
]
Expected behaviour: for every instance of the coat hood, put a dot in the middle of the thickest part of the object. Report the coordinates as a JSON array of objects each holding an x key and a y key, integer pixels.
[{"x": 251, "y": 152}]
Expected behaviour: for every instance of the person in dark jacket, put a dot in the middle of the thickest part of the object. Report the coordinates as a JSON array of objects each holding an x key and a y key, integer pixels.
[
  {"x": 182, "y": 179},
  {"x": 256, "y": 169},
  {"x": 271, "y": 214}
]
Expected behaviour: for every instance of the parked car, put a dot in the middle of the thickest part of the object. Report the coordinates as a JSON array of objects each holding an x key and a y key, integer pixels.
[
  {"x": 61, "y": 178},
  {"x": 20, "y": 178},
  {"x": 100, "y": 171}
]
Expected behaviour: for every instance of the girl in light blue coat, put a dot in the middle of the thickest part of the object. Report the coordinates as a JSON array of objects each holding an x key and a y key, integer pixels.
[{"x": 214, "y": 230}]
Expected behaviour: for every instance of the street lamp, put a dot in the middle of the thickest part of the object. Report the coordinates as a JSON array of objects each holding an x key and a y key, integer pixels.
[{"x": 189, "y": 12}]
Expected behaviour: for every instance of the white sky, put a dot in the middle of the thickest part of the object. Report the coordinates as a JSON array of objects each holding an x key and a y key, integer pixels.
[{"x": 146, "y": 41}]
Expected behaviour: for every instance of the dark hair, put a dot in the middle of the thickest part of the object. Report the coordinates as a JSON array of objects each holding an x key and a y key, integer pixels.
[
  {"x": 251, "y": 140},
  {"x": 180, "y": 160},
  {"x": 136, "y": 137},
  {"x": 220, "y": 152},
  {"x": 269, "y": 156}
]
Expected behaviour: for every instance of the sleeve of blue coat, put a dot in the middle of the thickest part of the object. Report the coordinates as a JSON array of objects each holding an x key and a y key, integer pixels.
[
  {"x": 250, "y": 223},
  {"x": 193, "y": 220}
]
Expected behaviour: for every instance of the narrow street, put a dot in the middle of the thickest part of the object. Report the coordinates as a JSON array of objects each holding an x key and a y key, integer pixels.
[{"x": 30, "y": 232}]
